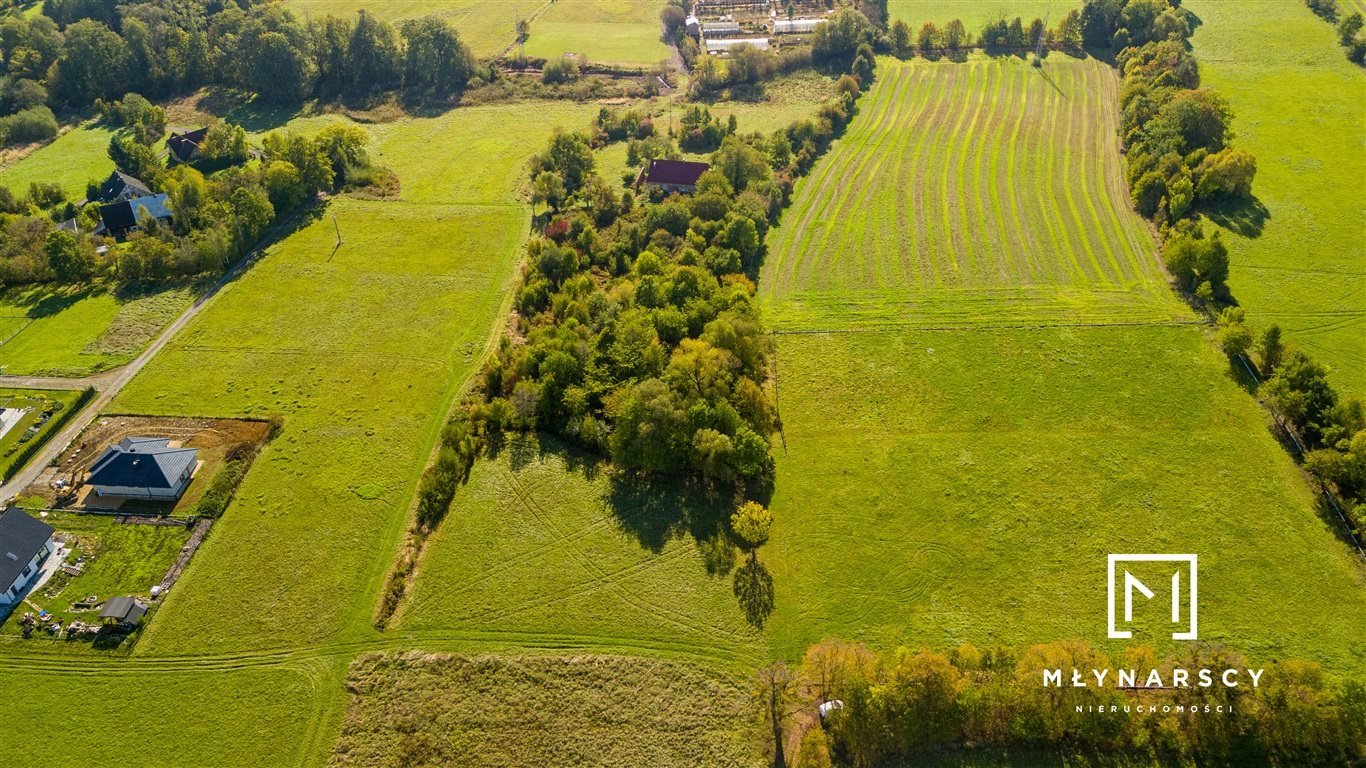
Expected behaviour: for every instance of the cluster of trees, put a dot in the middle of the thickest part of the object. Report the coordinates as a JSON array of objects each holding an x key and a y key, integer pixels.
[
  {"x": 998, "y": 34},
  {"x": 911, "y": 703},
  {"x": 215, "y": 218},
  {"x": 639, "y": 336},
  {"x": 1348, "y": 28},
  {"x": 77, "y": 51},
  {"x": 1177, "y": 138}
]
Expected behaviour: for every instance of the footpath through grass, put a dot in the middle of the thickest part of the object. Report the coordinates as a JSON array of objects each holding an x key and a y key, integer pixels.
[
  {"x": 1297, "y": 254},
  {"x": 985, "y": 192}
]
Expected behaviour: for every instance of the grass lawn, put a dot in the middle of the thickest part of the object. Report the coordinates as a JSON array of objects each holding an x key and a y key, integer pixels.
[
  {"x": 119, "y": 559},
  {"x": 985, "y": 192},
  {"x": 975, "y": 13},
  {"x": 968, "y": 486},
  {"x": 88, "y": 710},
  {"x": 546, "y": 544},
  {"x": 36, "y": 402},
  {"x": 75, "y": 331},
  {"x": 507, "y": 712},
  {"x": 1299, "y": 107},
  {"x": 608, "y": 31},
  {"x": 488, "y": 26},
  {"x": 74, "y": 158}
]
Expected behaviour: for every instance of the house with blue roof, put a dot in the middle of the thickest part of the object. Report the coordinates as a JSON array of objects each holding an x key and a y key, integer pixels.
[
  {"x": 120, "y": 218},
  {"x": 143, "y": 468}
]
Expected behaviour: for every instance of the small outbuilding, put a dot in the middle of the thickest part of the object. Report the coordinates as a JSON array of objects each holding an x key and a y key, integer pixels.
[
  {"x": 123, "y": 611},
  {"x": 25, "y": 542},
  {"x": 672, "y": 175},
  {"x": 185, "y": 147},
  {"x": 143, "y": 468}
]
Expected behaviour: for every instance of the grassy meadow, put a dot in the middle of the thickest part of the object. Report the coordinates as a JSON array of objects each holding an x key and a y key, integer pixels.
[
  {"x": 508, "y": 712},
  {"x": 549, "y": 545},
  {"x": 607, "y": 31},
  {"x": 983, "y": 192},
  {"x": 975, "y": 13},
  {"x": 76, "y": 331},
  {"x": 967, "y": 486},
  {"x": 72, "y": 159},
  {"x": 1299, "y": 107}
]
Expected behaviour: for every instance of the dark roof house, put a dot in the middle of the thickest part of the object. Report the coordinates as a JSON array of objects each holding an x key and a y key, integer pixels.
[
  {"x": 120, "y": 186},
  {"x": 118, "y": 219},
  {"x": 673, "y": 175},
  {"x": 24, "y": 541},
  {"x": 185, "y": 146},
  {"x": 143, "y": 467},
  {"x": 124, "y": 610}
]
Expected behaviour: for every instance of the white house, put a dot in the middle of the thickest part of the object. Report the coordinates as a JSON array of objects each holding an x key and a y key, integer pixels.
[
  {"x": 143, "y": 468},
  {"x": 25, "y": 542}
]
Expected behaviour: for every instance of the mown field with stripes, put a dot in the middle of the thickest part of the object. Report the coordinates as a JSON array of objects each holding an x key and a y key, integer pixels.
[{"x": 981, "y": 192}]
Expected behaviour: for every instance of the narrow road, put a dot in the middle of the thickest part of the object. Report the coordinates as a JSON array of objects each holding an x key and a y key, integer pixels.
[{"x": 110, "y": 383}]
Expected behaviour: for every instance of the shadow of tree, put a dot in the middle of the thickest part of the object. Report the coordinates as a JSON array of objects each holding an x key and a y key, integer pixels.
[
  {"x": 1244, "y": 217},
  {"x": 754, "y": 590}
]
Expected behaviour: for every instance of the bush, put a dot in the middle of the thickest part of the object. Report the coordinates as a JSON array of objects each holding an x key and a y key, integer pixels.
[
  {"x": 560, "y": 70},
  {"x": 33, "y": 124}
]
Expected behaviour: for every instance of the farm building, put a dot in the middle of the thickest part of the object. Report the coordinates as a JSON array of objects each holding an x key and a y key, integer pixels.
[
  {"x": 118, "y": 219},
  {"x": 721, "y": 47},
  {"x": 124, "y": 611},
  {"x": 184, "y": 147},
  {"x": 672, "y": 175},
  {"x": 143, "y": 468},
  {"x": 120, "y": 187},
  {"x": 796, "y": 26},
  {"x": 730, "y": 6},
  {"x": 692, "y": 26},
  {"x": 721, "y": 29},
  {"x": 24, "y": 543}
]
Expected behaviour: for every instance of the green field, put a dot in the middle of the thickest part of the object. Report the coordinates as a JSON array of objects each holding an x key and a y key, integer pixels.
[
  {"x": 969, "y": 485},
  {"x": 488, "y": 26},
  {"x": 548, "y": 545},
  {"x": 508, "y": 712},
  {"x": 981, "y": 193},
  {"x": 1299, "y": 107},
  {"x": 975, "y": 13},
  {"x": 76, "y": 331},
  {"x": 607, "y": 31},
  {"x": 74, "y": 158}
]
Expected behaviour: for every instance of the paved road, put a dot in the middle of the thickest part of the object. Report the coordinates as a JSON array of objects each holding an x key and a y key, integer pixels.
[{"x": 111, "y": 382}]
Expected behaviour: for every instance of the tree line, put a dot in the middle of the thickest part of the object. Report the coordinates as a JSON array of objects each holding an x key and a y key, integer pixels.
[
  {"x": 1348, "y": 28},
  {"x": 910, "y": 703},
  {"x": 1178, "y": 137},
  {"x": 77, "y": 51}
]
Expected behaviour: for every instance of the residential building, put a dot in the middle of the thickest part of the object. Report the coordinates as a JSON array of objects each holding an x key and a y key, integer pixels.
[{"x": 143, "y": 468}]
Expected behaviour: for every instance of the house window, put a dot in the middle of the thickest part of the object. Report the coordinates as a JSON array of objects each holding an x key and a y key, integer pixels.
[{"x": 27, "y": 570}]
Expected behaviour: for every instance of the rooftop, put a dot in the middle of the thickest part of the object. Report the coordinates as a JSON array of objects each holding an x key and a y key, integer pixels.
[
  {"x": 21, "y": 537},
  {"x": 141, "y": 462}
]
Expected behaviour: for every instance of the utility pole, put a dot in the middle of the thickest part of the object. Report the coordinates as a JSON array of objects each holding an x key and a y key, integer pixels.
[{"x": 1038, "y": 50}]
